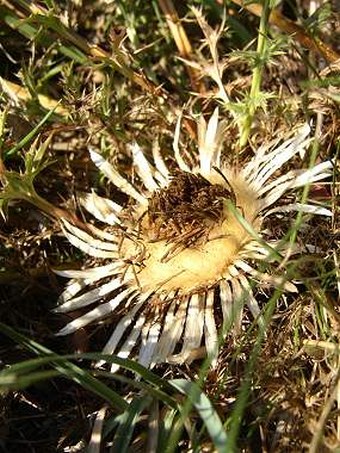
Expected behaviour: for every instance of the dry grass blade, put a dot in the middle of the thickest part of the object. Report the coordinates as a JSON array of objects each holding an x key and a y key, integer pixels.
[
  {"x": 96, "y": 440},
  {"x": 117, "y": 58},
  {"x": 20, "y": 93},
  {"x": 320, "y": 426},
  {"x": 182, "y": 42}
]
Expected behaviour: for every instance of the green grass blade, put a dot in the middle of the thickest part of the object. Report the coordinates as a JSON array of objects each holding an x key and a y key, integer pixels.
[
  {"x": 68, "y": 369},
  {"x": 155, "y": 385},
  {"x": 206, "y": 411},
  {"x": 249, "y": 229},
  {"x": 127, "y": 422},
  {"x": 149, "y": 387},
  {"x": 166, "y": 426},
  {"x": 236, "y": 417},
  {"x": 31, "y": 134},
  {"x": 32, "y": 32},
  {"x": 13, "y": 381}
]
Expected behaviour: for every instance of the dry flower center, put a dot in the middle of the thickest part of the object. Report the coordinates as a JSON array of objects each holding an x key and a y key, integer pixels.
[
  {"x": 186, "y": 210},
  {"x": 188, "y": 237}
]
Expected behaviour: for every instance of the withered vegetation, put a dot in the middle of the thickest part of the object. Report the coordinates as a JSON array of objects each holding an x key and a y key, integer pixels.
[
  {"x": 184, "y": 211},
  {"x": 121, "y": 78}
]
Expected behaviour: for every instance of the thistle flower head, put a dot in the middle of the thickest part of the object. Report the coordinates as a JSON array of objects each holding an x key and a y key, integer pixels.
[{"x": 180, "y": 255}]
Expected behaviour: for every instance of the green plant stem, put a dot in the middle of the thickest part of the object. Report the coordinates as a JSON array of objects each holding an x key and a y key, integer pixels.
[
  {"x": 31, "y": 134},
  {"x": 257, "y": 73},
  {"x": 293, "y": 233},
  {"x": 51, "y": 210},
  {"x": 66, "y": 368}
]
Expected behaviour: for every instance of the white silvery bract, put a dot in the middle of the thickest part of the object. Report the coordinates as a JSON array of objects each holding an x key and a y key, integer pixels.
[{"x": 175, "y": 264}]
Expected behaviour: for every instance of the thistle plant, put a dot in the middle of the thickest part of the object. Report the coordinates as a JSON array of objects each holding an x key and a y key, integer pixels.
[
  {"x": 189, "y": 240},
  {"x": 19, "y": 185},
  {"x": 253, "y": 102}
]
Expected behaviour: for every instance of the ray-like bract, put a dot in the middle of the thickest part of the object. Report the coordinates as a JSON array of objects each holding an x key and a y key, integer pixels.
[
  {"x": 293, "y": 181},
  {"x": 164, "y": 346},
  {"x": 210, "y": 330},
  {"x": 317, "y": 173},
  {"x": 86, "y": 248},
  {"x": 273, "y": 280},
  {"x": 238, "y": 303},
  {"x": 103, "y": 235},
  {"x": 194, "y": 324},
  {"x": 116, "y": 178},
  {"x": 101, "y": 208},
  {"x": 121, "y": 328},
  {"x": 233, "y": 272},
  {"x": 150, "y": 335},
  {"x": 93, "y": 274},
  {"x": 226, "y": 298},
  {"x": 301, "y": 207},
  {"x": 297, "y": 178},
  {"x": 73, "y": 287},
  {"x": 179, "y": 160},
  {"x": 95, "y": 243},
  {"x": 166, "y": 309},
  {"x": 91, "y": 296},
  {"x": 262, "y": 166},
  {"x": 91, "y": 246},
  {"x": 143, "y": 168},
  {"x": 96, "y": 314},
  {"x": 160, "y": 164},
  {"x": 279, "y": 185},
  {"x": 172, "y": 331},
  {"x": 131, "y": 341},
  {"x": 251, "y": 301},
  {"x": 209, "y": 145},
  {"x": 274, "y": 163}
]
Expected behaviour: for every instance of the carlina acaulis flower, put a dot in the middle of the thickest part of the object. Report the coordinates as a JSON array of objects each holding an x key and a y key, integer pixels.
[{"x": 175, "y": 264}]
